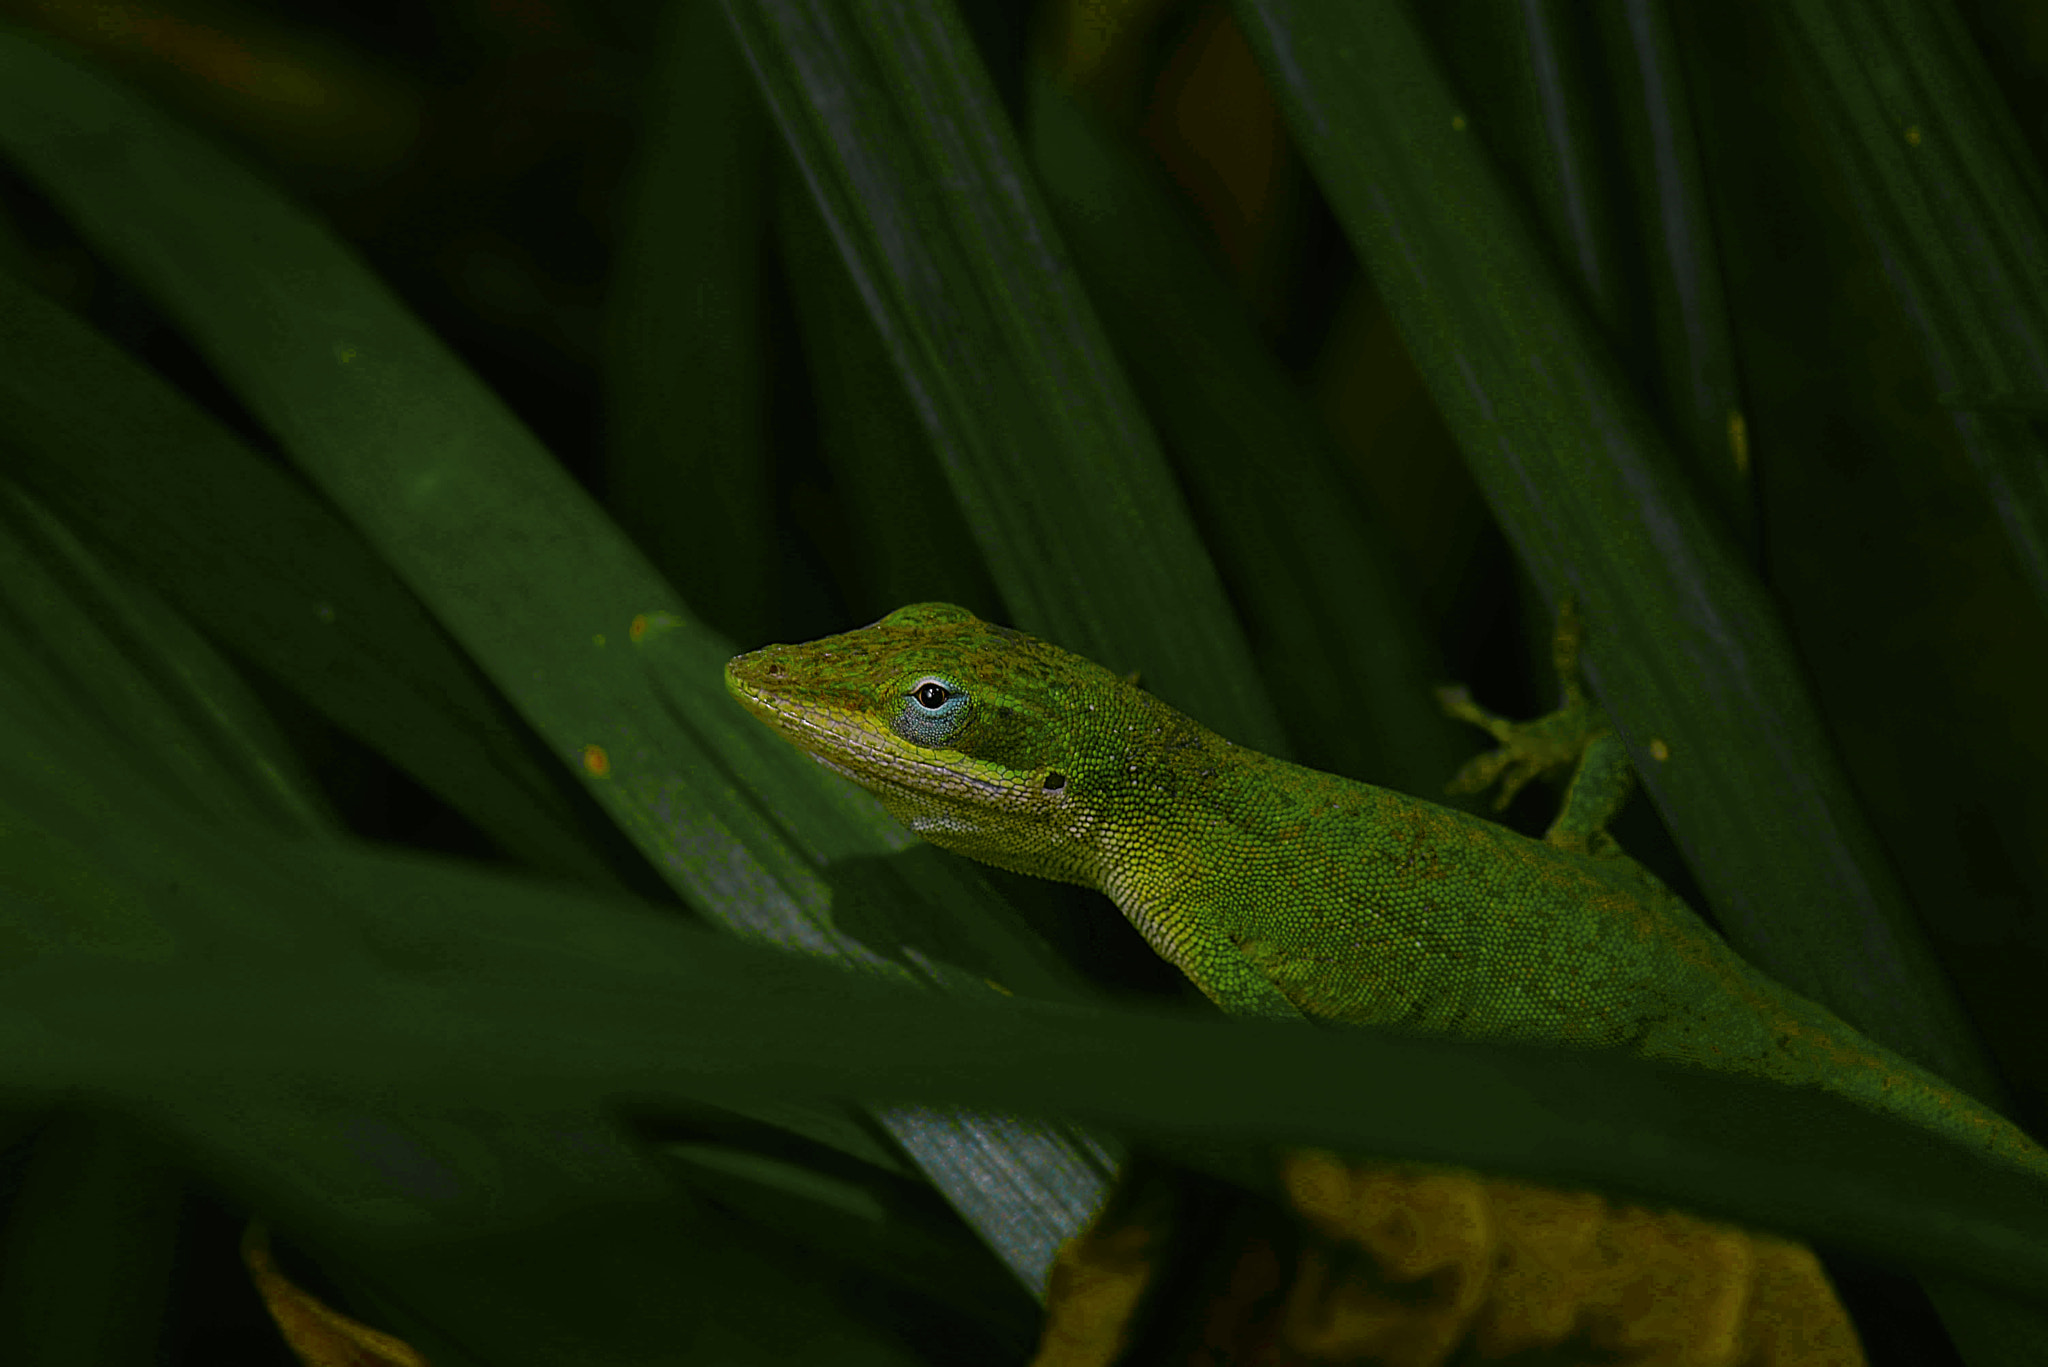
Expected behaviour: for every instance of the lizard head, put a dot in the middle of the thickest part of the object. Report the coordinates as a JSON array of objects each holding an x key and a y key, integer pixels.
[{"x": 979, "y": 738}]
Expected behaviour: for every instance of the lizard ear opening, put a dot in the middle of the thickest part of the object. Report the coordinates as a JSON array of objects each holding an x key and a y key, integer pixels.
[{"x": 1055, "y": 781}]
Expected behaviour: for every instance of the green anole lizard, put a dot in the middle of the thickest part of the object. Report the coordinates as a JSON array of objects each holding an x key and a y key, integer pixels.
[{"x": 1284, "y": 892}]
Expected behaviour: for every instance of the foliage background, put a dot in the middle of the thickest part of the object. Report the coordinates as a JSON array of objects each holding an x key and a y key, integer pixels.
[{"x": 590, "y": 206}]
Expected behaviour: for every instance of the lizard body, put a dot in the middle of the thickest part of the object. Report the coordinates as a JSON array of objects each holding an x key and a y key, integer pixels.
[{"x": 1281, "y": 891}]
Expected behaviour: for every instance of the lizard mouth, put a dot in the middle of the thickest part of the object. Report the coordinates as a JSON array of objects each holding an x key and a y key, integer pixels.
[{"x": 859, "y": 750}]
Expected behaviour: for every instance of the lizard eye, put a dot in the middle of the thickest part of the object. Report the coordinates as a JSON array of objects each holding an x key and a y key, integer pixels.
[{"x": 932, "y": 711}]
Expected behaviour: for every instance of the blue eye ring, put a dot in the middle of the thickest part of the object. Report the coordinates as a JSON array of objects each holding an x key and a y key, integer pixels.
[{"x": 933, "y": 709}]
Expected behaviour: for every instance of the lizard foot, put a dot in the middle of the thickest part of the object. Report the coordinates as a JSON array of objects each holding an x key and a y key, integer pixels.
[{"x": 1575, "y": 739}]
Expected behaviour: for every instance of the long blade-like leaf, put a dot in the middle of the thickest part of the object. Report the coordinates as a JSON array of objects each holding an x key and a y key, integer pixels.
[
  {"x": 546, "y": 595},
  {"x": 1959, "y": 214},
  {"x": 1695, "y": 668},
  {"x": 576, "y": 999},
  {"x": 887, "y": 111}
]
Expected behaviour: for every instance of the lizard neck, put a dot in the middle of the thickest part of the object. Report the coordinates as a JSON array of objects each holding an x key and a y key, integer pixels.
[{"x": 1178, "y": 808}]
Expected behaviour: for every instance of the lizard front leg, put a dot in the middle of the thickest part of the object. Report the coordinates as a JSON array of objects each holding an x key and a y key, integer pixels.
[{"x": 1576, "y": 738}]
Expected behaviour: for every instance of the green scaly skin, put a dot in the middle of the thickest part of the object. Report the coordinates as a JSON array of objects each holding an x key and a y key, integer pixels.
[{"x": 1283, "y": 892}]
